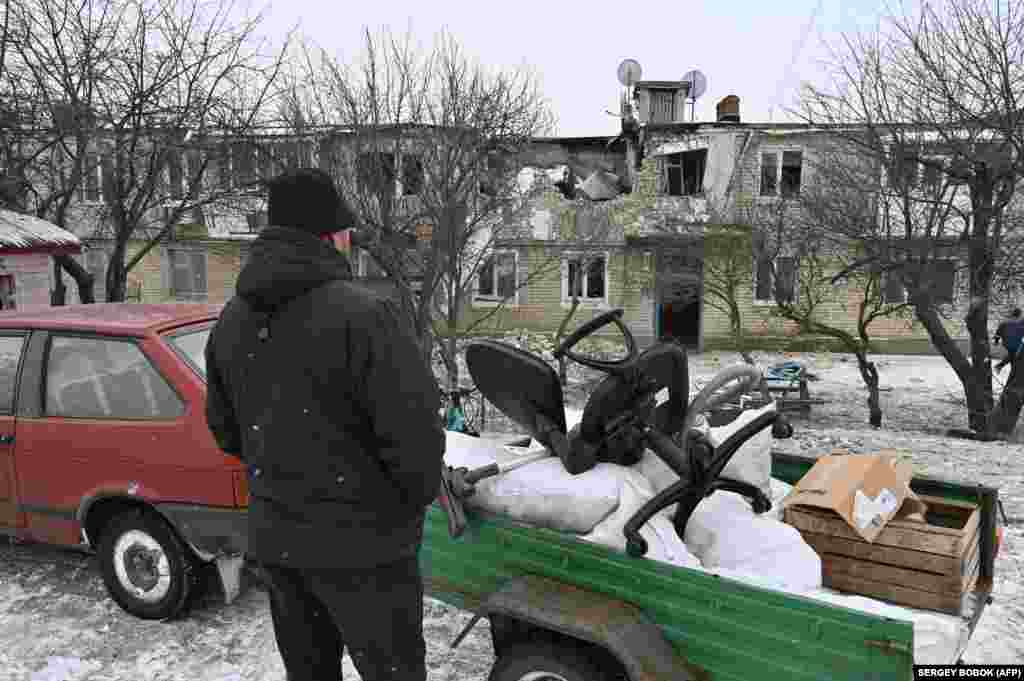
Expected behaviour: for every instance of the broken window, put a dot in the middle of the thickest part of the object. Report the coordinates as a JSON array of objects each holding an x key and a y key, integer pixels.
[
  {"x": 775, "y": 279},
  {"x": 663, "y": 106},
  {"x": 685, "y": 173},
  {"x": 497, "y": 277},
  {"x": 100, "y": 378},
  {"x": 769, "y": 173},
  {"x": 188, "y": 274},
  {"x": 589, "y": 284},
  {"x": 785, "y": 180},
  {"x": 789, "y": 182},
  {"x": 412, "y": 175}
]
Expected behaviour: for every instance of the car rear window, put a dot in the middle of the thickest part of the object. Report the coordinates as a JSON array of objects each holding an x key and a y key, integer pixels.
[{"x": 191, "y": 345}]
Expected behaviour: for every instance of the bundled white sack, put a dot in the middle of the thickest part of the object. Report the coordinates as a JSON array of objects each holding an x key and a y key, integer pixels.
[
  {"x": 542, "y": 493},
  {"x": 724, "y": 532},
  {"x": 752, "y": 462},
  {"x": 663, "y": 544}
]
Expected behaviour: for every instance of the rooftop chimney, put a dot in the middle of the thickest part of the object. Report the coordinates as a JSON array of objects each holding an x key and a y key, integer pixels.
[{"x": 729, "y": 109}]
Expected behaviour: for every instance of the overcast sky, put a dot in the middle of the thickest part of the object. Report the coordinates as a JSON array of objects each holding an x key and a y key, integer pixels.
[{"x": 744, "y": 47}]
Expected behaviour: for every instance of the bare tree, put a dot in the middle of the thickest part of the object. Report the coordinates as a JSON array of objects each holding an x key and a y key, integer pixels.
[
  {"x": 932, "y": 109},
  {"x": 793, "y": 229},
  {"x": 427, "y": 146},
  {"x": 146, "y": 97},
  {"x": 728, "y": 270},
  {"x": 58, "y": 51}
]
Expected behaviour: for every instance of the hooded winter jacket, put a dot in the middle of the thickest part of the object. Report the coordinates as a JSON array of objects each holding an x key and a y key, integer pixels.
[{"x": 314, "y": 383}]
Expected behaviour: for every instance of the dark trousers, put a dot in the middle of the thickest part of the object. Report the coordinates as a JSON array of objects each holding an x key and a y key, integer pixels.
[{"x": 377, "y": 613}]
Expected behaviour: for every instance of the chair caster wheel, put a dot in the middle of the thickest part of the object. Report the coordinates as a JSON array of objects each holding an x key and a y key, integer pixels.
[{"x": 636, "y": 547}]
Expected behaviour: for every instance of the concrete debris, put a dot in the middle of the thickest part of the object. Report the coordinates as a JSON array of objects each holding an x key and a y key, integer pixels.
[{"x": 601, "y": 186}]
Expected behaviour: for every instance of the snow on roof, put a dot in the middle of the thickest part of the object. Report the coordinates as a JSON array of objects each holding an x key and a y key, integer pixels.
[{"x": 20, "y": 231}]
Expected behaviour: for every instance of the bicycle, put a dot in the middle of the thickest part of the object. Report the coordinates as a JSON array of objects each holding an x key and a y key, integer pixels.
[{"x": 459, "y": 413}]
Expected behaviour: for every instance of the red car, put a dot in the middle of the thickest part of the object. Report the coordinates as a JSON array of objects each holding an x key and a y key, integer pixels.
[{"x": 104, "y": 446}]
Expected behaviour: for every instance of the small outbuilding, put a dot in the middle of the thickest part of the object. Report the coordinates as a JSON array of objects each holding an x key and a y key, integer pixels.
[{"x": 26, "y": 268}]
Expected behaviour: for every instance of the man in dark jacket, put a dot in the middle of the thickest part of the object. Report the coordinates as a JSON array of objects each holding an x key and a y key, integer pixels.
[{"x": 315, "y": 384}]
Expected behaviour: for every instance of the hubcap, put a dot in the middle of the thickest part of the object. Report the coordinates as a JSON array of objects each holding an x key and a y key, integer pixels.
[
  {"x": 542, "y": 676},
  {"x": 142, "y": 567}
]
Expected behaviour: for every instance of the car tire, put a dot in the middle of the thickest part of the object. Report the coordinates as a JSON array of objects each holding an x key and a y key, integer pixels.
[
  {"x": 544, "y": 662},
  {"x": 147, "y": 569}
]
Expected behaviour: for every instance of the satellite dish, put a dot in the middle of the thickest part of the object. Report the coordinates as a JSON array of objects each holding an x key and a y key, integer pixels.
[
  {"x": 629, "y": 72},
  {"x": 698, "y": 83}
]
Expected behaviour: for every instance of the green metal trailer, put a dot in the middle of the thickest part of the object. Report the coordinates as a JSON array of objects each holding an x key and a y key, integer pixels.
[{"x": 562, "y": 609}]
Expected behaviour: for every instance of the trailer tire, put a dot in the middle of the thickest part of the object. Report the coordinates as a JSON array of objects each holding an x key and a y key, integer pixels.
[
  {"x": 147, "y": 569},
  {"x": 544, "y": 662}
]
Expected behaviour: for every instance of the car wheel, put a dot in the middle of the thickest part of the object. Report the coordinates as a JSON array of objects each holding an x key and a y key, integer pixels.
[
  {"x": 542, "y": 662},
  {"x": 146, "y": 568}
]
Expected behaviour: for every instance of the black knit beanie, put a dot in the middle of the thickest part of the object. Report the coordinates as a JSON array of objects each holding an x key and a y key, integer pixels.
[{"x": 306, "y": 199}]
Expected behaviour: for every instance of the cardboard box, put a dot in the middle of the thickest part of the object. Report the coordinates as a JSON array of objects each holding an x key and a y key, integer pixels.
[{"x": 865, "y": 490}]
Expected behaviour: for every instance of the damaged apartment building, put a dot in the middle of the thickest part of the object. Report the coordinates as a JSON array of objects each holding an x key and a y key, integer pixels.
[{"x": 644, "y": 201}]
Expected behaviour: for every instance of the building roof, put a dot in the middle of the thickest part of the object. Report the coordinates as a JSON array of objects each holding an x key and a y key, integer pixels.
[
  {"x": 26, "y": 234},
  {"x": 130, "y": 319}
]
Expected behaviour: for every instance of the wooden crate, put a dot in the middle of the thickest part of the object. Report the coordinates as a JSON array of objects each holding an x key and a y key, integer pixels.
[{"x": 932, "y": 565}]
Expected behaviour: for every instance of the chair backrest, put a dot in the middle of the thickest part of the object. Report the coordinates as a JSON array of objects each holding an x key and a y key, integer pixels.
[
  {"x": 665, "y": 363},
  {"x": 521, "y": 385}
]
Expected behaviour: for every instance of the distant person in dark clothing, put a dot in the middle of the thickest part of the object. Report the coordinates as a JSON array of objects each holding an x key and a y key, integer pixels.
[
  {"x": 315, "y": 384},
  {"x": 1011, "y": 334}
]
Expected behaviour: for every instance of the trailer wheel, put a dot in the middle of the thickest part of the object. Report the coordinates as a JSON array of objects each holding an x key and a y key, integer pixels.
[
  {"x": 544, "y": 662},
  {"x": 146, "y": 568}
]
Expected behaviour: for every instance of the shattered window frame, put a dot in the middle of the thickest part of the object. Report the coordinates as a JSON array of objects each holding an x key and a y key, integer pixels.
[
  {"x": 490, "y": 270},
  {"x": 790, "y": 180},
  {"x": 690, "y": 184},
  {"x": 772, "y": 280},
  {"x": 781, "y": 178},
  {"x": 571, "y": 258}
]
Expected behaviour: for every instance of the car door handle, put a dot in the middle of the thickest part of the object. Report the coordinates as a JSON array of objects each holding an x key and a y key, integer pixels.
[{"x": 6, "y": 439}]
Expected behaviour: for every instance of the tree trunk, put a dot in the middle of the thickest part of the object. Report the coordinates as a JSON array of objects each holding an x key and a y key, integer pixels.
[
  {"x": 1007, "y": 412},
  {"x": 563, "y": 374},
  {"x": 117, "y": 276},
  {"x": 736, "y": 322},
  {"x": 83, "y": 279},
  {"x": 869, "y": 372},
  {"x": 58, "y": 296}
]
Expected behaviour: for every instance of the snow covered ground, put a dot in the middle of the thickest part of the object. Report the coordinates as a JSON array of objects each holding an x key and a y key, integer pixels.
[{"x": 57, "y": 624}]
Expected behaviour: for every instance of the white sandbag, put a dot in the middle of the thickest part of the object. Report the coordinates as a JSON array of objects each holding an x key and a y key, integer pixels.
[
  {"x": 542, "y": 493},
  {"x": 658, "y": 475},
  {"x": 780, "y": 490},
  {"x": 724, "y": 532},
  {"x": 752, "y": 462},
  {"x": 663, "y": 544}
]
